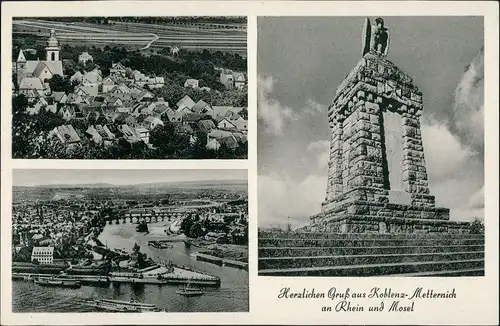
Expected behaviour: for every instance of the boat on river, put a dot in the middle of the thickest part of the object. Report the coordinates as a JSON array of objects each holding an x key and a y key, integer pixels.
[
  {"x": 160, "y": 244},
  {"x": 189, "y": 291},
  {"x": 58, "y": 282},
  {"x": 122, "y": 306}
]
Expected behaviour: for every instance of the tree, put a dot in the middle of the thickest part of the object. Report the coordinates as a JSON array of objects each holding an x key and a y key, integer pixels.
[
  {"x": 168, "y": 142},
  {"x": 244, "y": 113},
  {"x": 60, "y": 84},
  {"x": 186, "y": 224},
  {"x": 136, "y": 249},
  {"x": 476, "y": 226},
  {"x": 195, "y": 231},
  {"x": 30, "y": 134},
  {"x": 19, "y": 104}
]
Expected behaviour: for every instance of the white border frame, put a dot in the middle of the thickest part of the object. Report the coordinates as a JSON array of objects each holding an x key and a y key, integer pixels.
[{"x": 478, "y": 296}]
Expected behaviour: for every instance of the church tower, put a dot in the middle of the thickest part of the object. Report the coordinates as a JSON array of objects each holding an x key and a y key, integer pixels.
[
  {"x": 52, "y": 49},
  {"x": 20, "y": 67}
]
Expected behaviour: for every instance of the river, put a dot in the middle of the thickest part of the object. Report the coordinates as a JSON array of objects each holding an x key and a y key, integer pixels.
[{"x": 232, "y": 296}]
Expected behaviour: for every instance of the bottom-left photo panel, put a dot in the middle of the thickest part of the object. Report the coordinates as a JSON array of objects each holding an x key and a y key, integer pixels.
[{"x": 130, "y": 240}]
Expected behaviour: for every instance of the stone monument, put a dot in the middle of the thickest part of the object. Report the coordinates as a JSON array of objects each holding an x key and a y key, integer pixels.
[{"x": 377, "y": 176}]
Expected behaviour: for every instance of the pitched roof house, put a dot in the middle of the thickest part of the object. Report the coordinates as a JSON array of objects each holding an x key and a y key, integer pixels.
[
  {"x": 117, "y": 69},
  {"x": 199, "y": 106},
  {"x": 84, "y": 57},
  {"x": 184, "y": 111},
  {"x": 193, "y": 83},
  {"x": 128, "y": 133},
  {"x": 241, "y": 125},
  {"x": 213, "y": 144},
  {"x": 239, "y": 79},
  {"x": 151, "y": 122},
  {"x": 226, "y": 78},
  {"x": 92, "y": 77},
  {"x": 77, "y": 77},
  {"x": 143, "y": 134},
  {"x": 222, "y": 110},
  {"x": 131, "y": 121},
  {"x": 47, "y": 69},
  {"x": 229, "y": 141},
  {"x": 30, "y": 83},
  {"x": 107, "y": 84},
  {"x": 186, "y": 101},
  {"x": 58, "y": 96},
  {"x": 94, "y": 134},
  {"x": 66, "y": 134},
  {"x": 206, "y": 126},
  {"x": 191, "y": 117},
  {"x": 160, "y": 110},
  {"x": 216, "y": 133},
  {"x": 224, "y": 123}
]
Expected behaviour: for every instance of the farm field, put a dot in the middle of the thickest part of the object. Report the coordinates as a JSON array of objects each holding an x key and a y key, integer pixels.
[{"x": 228, "y": 38}]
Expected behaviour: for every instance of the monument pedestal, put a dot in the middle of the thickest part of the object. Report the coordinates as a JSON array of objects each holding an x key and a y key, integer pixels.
[
  {"x": 353, "y": 213},
  {"x": 374, "y": 210}
]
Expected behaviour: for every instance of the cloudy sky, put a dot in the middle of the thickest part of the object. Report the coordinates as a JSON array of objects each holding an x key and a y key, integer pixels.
[
  {"x": 120, "y": 177},
  {"x": 302, "y": 60}
]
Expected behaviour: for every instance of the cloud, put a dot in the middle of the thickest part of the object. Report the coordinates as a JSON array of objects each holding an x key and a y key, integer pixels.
[
  {"x": 272, "y": 112},
  {"x": 477, "y": 199},
  {"x": 314, "y": 108},
  {"x": 454, "y": 171},
  {"x": 283, "y": 200},
  {"x": 321, "y": 150},
  {"x": 445, "y": 155},
  {"x": 318, "y": 145},
  {"x": 469, "y": 104},
  {"x": 466, "y": 214}
]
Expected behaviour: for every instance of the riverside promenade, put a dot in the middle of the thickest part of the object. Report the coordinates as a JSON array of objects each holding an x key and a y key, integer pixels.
[
  {"x": 221, "y": 261},
  {"x": 153, "y": 275},
  {"x": 159, "y": 274}
]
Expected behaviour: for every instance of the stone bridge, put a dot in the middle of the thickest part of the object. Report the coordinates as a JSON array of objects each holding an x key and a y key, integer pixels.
[{"x": 147, "y": 217}]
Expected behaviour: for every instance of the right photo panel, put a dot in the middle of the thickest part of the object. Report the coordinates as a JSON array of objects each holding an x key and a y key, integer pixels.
[{"x": 371, "y": 146}]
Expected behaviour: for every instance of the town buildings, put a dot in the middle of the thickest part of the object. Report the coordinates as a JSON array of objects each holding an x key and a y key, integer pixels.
[
  {"x": 43, "y": 255},
  {"x": 85, "y": 57},
  {"x": 123, "y": 105},
  {"x": 232, "y": 79}
]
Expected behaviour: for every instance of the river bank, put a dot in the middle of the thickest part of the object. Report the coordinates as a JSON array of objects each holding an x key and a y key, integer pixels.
[
  {"x": 224, "y": 251},
  {"x": 231, "y": 296}
]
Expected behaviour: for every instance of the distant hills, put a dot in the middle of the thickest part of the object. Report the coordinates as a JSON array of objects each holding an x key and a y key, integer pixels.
[{"x": 175, "y": 184}]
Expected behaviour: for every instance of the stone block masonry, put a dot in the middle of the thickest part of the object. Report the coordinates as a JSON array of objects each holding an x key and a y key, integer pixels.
[{"x": 377, "y": 176}]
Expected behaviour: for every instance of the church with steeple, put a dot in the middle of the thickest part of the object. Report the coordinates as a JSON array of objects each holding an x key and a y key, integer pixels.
[{"x": 34, "y": 74}]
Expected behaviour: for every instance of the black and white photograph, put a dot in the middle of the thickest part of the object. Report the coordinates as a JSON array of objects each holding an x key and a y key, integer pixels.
[
  {"x": 130, "y": 241},
  {"x": 371, "y": 146},
  {"x": 249, "y": 162},
  {"x": 129, "y": 87}
]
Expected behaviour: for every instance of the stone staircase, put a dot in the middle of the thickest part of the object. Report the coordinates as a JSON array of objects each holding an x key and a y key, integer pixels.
[{"x": 336, "y": 254}]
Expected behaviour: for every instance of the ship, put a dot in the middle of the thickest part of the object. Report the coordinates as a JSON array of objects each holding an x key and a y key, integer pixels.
[
  {"x": 122, "y": 306},
  {"x": 160, "y": 245},
  {"x": 189, "y": 291},
  {"x": 58, "y": 282}
]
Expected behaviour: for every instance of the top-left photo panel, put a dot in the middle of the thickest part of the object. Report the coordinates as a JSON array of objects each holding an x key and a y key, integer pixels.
[{"x": 129, "y": 88}]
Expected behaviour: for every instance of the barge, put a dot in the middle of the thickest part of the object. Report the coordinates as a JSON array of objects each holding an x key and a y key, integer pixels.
[
  {"x": 160, "y": 244},
  {"x": 58, "y": 282},
  {"x": 122, "y": 306}
]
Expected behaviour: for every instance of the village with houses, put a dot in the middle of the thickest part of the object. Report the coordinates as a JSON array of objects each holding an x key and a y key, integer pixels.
[{"x": 68, "y": 109}]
